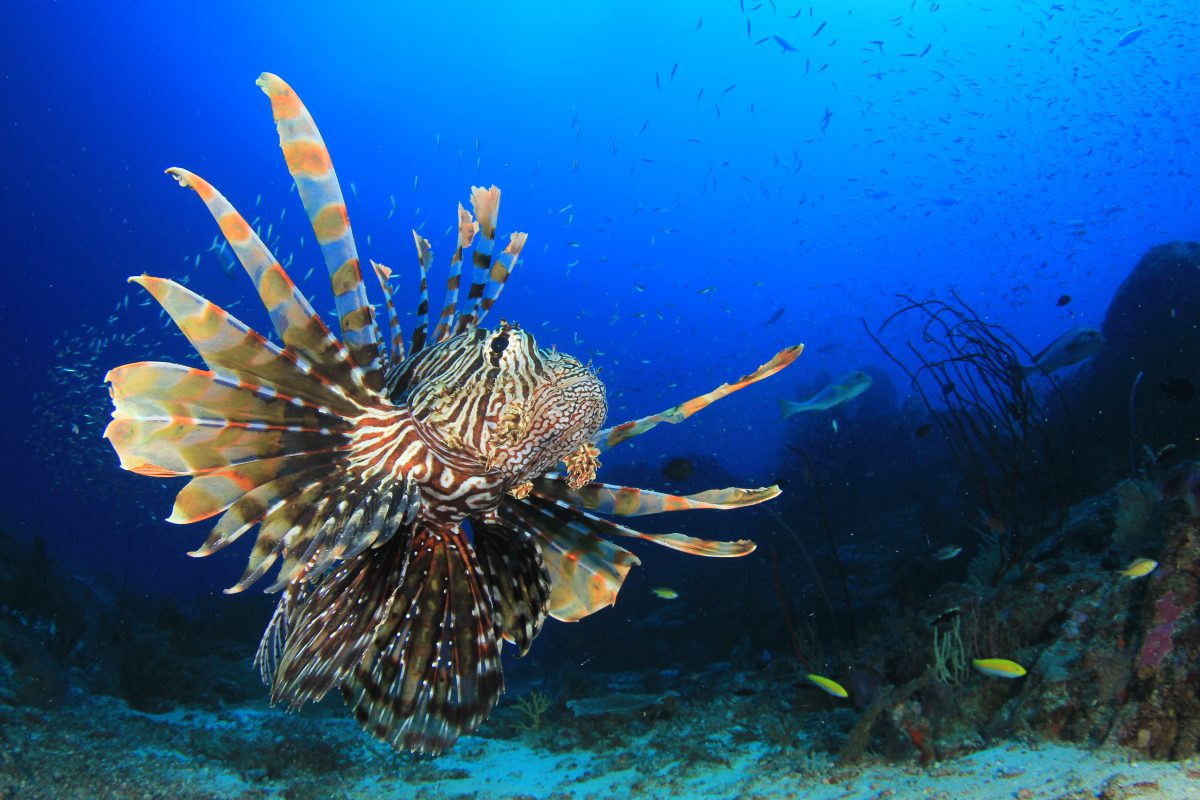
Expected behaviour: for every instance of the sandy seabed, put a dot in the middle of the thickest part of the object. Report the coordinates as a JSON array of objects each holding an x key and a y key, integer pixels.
[{"x": 97, "y": 747}]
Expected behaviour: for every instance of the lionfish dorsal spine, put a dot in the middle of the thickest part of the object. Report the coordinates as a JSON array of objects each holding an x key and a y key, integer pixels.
[
  {"x": 298, "y": 325},
  {"x": 502, "y": 269},
  {"x": 309, "y": 163},
  {"x": 396, "y": 348},
  {"x": 467, "y": 228},
  {"x": 424, "y": 264},
  {"x": 486, "y": 205}
]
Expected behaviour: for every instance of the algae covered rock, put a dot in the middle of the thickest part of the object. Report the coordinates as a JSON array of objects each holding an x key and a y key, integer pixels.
[{"x": 1165, "y": 689}]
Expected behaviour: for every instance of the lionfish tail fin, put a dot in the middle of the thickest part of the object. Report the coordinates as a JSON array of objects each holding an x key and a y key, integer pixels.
[{"x": 408, "y": 634}]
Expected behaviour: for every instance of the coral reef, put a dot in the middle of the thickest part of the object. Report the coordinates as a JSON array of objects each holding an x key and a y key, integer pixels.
[
  {"x": 1111, "y": 660},
  {"x": 58, "y": 633}
]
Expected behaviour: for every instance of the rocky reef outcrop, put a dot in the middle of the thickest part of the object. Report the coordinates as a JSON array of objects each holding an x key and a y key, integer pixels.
[
  {"x": 1111, "y": 659},
  {"x": 1152, "y": 328}
]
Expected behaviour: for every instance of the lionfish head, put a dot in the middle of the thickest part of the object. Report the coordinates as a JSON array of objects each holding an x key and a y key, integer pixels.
[
  {"x": 514, "y": 407},
  {"x": 550, "y": 406}
]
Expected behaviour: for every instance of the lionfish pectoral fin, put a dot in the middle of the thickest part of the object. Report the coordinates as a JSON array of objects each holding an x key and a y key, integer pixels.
[
  {"x": 611, "y": 437},
  {"x": 270, "y": 438},
  {"x": 428, "y": 670},
  {"x": 404, "y": 630},
  {"x": 515, "y": 572},
  {"x": 693, "y": 545},
  {"x": 320, "y": 630},
  {"x": 585, "y": 571},
  {"x": 629, "y": 501}
]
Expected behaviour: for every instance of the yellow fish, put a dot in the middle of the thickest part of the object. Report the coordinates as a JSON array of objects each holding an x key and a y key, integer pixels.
[
  {"x": 830, "y": 686},
  {"x": 1140, "y": 568},
  {"x": 999, "y": 667},
  {"x": 665, "y": 593}
]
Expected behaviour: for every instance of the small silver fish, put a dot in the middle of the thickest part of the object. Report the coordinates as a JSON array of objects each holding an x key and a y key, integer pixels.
[
  {"x": 844, "y": 389},
  {"x": 1072, "y": 347}
]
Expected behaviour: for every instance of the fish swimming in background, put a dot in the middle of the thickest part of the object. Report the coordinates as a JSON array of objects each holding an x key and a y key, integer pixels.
[
  {"x": 679, "y": 468},
  {"x": 827, "y": 685},
  {"x": 948, "y": 552},
  {"x": 843, "y": 390},
  {"x": 1130, "y": 36},
  {"x": 1140, "y": 568},
  {"x": 407, "y": 491},
  {"x": 785, "y": 44},
  {"x": 665, "y": 593},
  {"x": 999, "y": 667},
  {"x": 1077, "y": 344}
]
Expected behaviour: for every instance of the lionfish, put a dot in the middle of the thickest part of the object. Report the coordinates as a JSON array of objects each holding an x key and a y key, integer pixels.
[{"x": 408, "y": 494}]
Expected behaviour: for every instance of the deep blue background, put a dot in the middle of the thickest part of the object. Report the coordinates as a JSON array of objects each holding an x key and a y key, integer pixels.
[{"x": 1010, "y": 150}]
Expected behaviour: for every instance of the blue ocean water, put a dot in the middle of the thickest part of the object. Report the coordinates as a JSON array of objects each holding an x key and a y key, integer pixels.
[{"x": 703, "y": 184}]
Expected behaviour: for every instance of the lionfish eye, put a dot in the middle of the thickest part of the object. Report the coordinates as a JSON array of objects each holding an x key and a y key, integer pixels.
[{"x": 499, "y": 344}]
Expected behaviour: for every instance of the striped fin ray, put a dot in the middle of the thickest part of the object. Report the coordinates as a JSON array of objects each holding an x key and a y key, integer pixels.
[
  {"x": 152, "y": 389},
  {"x": 253, "y": 507},
  {"x": 310, "y": 166},
  {"x": 424, "y": 262},
  {"x": 675, "y": 541},
  {"x": 585, "y": 571},
  {"x": 229, "y": 346},
  {"x": 270, "y": 647},
  {"x": 211, "y": 493},
  {"x": 360, "y": 502},
  {"x": 467, "y": 228},
  {"x": 310, "y": 512},
  {"x": 166, "y": 446},
  {"x": 611, "y": 437},
  {"x": 281, "y": 521},
  {"x": 327, "y": 625},
  {"x": 431, "y": 671},
  {"x": 516, "y": 577},
  {"x": 324, "y": 522},
  {"x": 271, "y": 442},
  {"x": 396, "y": 349},
  {"x": 628, "y": 501},
  {"x": 502, "y": 269},
  {"x": 486, "y": 205},
  {"x": 298, "y": 325}
]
